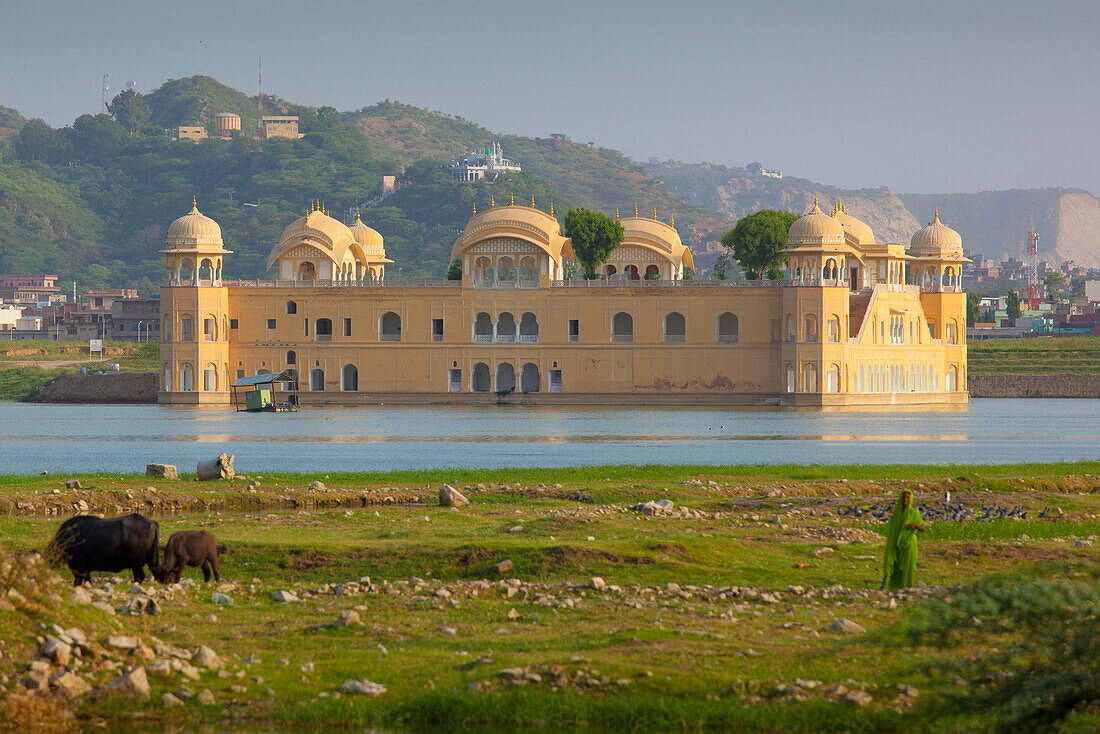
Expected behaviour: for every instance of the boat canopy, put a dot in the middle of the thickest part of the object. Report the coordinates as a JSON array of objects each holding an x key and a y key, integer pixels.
[{"x": 264, "y": 379}]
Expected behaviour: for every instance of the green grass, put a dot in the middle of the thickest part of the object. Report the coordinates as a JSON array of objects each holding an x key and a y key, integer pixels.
[
  {"x": 20, "y": 382},
  {"x": 1047, "y": 355},
  {"x": 688, "y": 664}
]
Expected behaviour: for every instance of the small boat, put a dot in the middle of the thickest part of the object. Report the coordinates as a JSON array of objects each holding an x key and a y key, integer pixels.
[{"x": 263, "y": 393}]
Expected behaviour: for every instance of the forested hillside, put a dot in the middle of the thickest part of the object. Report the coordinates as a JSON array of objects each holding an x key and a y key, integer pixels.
[{"x": 92, "y": 201}]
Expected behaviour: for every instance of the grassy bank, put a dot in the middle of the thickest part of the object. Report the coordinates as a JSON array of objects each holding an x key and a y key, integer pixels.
[
  {"x": 25, "y": 366},
  {"x": 715, "y": 615},
  {"x": 1048, "y": 355}
]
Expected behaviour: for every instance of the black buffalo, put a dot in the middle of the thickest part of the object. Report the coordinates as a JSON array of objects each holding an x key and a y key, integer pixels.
[{"x": 85, "y": 544}]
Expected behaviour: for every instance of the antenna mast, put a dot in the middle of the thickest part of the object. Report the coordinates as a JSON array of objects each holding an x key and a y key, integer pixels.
[
  {"x": 104, "y": 94},
  {"x": 1032, "y": 262},
  {"x": 260, "y": 98}
]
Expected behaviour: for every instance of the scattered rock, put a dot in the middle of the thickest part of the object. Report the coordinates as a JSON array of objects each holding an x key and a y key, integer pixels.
[
  {"x": 316, "y": 486},
  {"x": 513, "y": 614},
  {"x": 206, "y": 657},
  {"x": 80, "y": 595},
  {"x": 132, "y": 683},
  {"x": 123, "y": 642},
  {"x": 206, "y": 697},
  {"x": 170, "y": 701},
  {"x": 73, "y": 484},
  {"x": 284, "y": 596},
  {"x": 451, "y": 497},
  {"x": 363, "y": 687},
  {"x": 55, "y": 651},
  {"x": 504, "y": 566},
  {"x": 347, "y": 618},
  {"x": 823, "y": 551},
  {"x": 222, "y": 599},
  {"x": 219, "y": 468},
  {"x": 163, "y": 471},
  {"x": 859, "y": 698},
  {"x": 596, "y": 583},
  {"x": 70, "y": 684},
  {"x": 162, "y": 669},
  {"x": 846, "y": 627}
]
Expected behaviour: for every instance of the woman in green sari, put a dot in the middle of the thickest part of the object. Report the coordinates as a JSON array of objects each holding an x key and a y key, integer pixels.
[{"x": 900, "y": 567}]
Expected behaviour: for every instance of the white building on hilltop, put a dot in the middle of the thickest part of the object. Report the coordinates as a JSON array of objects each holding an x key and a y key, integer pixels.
[{"x": 485, "y": 166}]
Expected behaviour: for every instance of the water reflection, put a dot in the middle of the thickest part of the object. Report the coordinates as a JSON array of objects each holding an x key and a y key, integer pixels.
[{"x": 123, "y": 438}]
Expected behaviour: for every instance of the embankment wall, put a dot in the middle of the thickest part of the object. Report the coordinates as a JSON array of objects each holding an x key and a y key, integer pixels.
[
  {"x": 112, "y": 387},
  {"x": 1034, "y": 386}
]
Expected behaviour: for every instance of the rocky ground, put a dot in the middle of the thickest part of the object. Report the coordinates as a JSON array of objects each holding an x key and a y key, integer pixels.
[{"x": 751, "y": 600}]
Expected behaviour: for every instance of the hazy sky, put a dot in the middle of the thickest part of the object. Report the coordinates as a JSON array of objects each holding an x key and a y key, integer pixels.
[{"x": 919, "y": 96}]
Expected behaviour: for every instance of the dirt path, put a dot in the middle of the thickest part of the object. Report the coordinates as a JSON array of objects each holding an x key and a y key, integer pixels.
[{"x": 48, "y": 363}]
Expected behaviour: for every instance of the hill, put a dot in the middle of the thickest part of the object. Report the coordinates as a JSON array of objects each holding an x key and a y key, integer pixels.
[{"x": 994, "y": 223}]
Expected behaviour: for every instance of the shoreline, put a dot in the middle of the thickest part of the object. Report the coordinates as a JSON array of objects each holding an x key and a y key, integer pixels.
[{"x": 140, "y": 388}]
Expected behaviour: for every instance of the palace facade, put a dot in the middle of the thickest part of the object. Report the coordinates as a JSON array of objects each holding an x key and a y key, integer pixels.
[{"x": 854, "y": 322}]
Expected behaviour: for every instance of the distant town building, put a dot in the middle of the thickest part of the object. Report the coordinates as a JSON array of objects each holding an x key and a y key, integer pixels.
[
  {"x": 758, "y": 170},
  {"x": 1092, "y": 291},
  {"x": 190, "y": 132},
  {"x": 485, "y": 166},
  {"x": 227, "y": 123},
  {"x": 279, "y": 126},
  {"x": 9, "y": 314},
  {"x": 135, "y": 319},
  {"x": 30, "y": 290}
]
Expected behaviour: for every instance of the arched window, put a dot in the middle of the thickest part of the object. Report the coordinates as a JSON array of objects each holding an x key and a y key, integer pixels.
[
  {"x": 390, "y": 327},
  {"x": 291, "y": 357},
  {"x": 790, "y": 328},
  {"x": 528, "y": 270},
  {"x": 481, "y": 268},
  {"x": 790, "y": 378},
  {"x": 529, "y": 380},
  {"x": 528, "y": 328},
  {"x": 167, "y": 385},
  {"x": 506, "y": 327},
  {"x": 349, "y": 378},
  {"x": 652, "y": 272},
  {"x": 832, "y": 379},
  {"x": 809, "y": 377},
  {"x": 210, "y": 378},
  {"x": 882, "y": 332},
  {"x": 609, "y": 270},
  {"x": 317, "y": 380},
  {"x": 622, "y": 327},
  {"x": 834, "y": 329},
  {"x": 185, "y": 271},
  {"x": 727, "y": 327},
  {"x": 291, "y": 307},
  {"x": 187, "y": 378},
  {"x": 952, "y": 378},
  {"x": 675, "y": 328},
  {"x": 166, "y": 329},
  {"x": 952, "y": 332},
  {"x": 210, "y": 328},
  {"x": 186, "y": 334},
  {"x": 483, "y": 327},
  {"x": 479, "y": 378},
  {"x": 323, "y": 331},
  {"x": 506, "y": 377},
  {"x": 809, "y": 328},
  {"x": 506, "y": 269},
  {"x": 307, "y": 271},
  {"x": 631, "y": 272}
]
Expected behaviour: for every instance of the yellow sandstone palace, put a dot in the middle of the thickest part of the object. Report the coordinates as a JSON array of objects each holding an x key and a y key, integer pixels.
[{"x": 854, "y": 321}]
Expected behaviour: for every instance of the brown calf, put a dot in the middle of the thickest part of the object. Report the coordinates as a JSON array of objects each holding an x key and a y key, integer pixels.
[{"x": 188, "y": 548}]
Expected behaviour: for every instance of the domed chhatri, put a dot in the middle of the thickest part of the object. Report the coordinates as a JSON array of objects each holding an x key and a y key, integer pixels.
[
  {"x": 369, "y": 239},
  {"x": 936, "y": 239},
  {"x": 194, "y": 228},
  {"x": 815, "y": 228},
  {"x": 856, "y": 231}
]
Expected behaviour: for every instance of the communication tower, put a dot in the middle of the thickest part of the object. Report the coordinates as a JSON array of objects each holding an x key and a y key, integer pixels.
[
  {"x": 260, "y": 98},
  {"x": 1031, "y": 260}
]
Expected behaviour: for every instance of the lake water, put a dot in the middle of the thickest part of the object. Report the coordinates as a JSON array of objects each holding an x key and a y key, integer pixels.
[{"x": 70, "y": 438}]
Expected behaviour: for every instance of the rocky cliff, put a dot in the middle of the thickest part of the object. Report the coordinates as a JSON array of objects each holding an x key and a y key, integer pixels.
[{"x": 994, "y": 223}]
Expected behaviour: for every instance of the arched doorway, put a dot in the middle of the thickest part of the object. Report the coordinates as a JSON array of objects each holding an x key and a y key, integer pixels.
[
  {"x": 506, "y": 377},
  {"x": 479, "y": 378},
  {"x": 390, "y": 327},
  {"x": 349, "y": 378},
  {"x": 529, "y": 379},
  {"x": 317, "y": 380},
  {"x": 675, "y": 327},
  {"x": 652, "y": 272},
  {"x": 727, "y": 327},
  {"x": 631, "y": 272},
  {"x": 307, "y": 271}
]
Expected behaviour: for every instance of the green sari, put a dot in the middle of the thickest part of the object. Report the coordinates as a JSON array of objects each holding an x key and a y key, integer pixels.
[{"x": 900, "y": 566}]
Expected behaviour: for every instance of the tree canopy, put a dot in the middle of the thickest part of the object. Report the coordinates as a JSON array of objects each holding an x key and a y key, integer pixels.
[
  {"x": 1012, "y": 307},
  {"x": 757, "y": 241},
  {"x": 594, "y": 236},
  {"x": 130, "y": 110}
]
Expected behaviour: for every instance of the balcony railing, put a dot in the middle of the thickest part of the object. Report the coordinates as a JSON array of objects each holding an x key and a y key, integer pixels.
[
  {"x": 528, "y": 338},
  {"x": 506, "y": 338},
  {"x": 727, "y": 338},
  {"x": 674, "y": 337},
  {"x": 604, "y": 283},
  {"x": 622, "y": 337},
  {"x": 483, "y": 338},
  {"x": 505, "y": 284},
  {"x": 410, "y": 283},
  {"x": 389, "y": 337}
]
